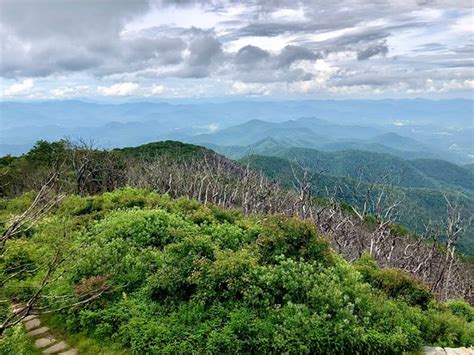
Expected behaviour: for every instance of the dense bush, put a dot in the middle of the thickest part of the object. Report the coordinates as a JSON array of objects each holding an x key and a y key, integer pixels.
[
  {"x": 394, "y": 282},
  {"x": 462, "y": 309},
  {"x": 182, "y": 277},
  {"x": 15, "y": 341}
]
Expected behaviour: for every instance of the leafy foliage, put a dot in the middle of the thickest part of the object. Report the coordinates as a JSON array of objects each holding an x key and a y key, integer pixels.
[
  {"x": 15, "y": 341},
  {"x": 182, "y": 277},
  {"x": 173, "y": 149},
  {"x": 394, "y": 282}
]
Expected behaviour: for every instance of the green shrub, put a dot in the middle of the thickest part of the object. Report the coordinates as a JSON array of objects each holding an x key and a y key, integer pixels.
[
  {"x": 15, "y": 341},
  {"x": 292, "y": 238},
  {"x": 461, "y": 309},
  {"x": 394, "y": 282},
  {"x": 188, "y": 278},
  {"x": 443, "y": 328}
]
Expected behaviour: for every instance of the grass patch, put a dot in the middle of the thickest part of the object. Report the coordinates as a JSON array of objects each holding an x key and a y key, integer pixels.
[{"x": 79, "y": 341}]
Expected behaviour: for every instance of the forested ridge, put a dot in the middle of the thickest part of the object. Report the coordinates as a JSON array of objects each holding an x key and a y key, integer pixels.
[
  {"x": 421, "y": 186},
  {"x": 170, "y": 247}
]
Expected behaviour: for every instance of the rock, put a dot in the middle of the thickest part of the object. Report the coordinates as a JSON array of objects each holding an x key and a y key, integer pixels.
[
  {"x": 69, "y": 352},
  {"x": 448, "y": 351},
  {"x": 38, "y": 331},
  {"x": 44, "y": 342},
  {"x": 30, "y": 317},
  {"x": 433, "y": 350},
  {"x": 17, "y": 308},
  {"x": 32, "y": 324},
  {"x": 459, "y": 351},
  {"x": 56, "y": 348}
]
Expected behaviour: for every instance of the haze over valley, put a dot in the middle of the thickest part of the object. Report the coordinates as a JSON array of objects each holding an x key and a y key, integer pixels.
[{"x": 407, "y": 128}]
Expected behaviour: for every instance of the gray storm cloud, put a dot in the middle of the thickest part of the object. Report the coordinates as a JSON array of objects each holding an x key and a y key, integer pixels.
[{"x": 45, "y": 38}]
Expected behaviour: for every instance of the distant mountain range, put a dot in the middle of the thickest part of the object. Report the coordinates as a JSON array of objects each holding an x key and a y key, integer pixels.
[
  {"x": 346, "y": 158},
  {"x": 406, "y": 128},
  {"x": 256, "y": 135}
]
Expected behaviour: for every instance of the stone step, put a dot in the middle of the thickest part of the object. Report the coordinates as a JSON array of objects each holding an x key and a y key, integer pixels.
[
  {"x": 45, "y": 342},
  {"x": 448, "y": 351},
  {"x": 18, "y": 309},
  {"x": 56, "y": 348},
  {"x": 433, "y": 350},
  {"x": 32, "y": 324},
  {"x": 38, "y": 331},
  {"x": 459, "y": 351}
]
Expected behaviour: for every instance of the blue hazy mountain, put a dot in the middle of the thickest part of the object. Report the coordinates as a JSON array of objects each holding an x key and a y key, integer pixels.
[
  {"x": 418, "y": 128},
  {"x": 310, "y": 132}
]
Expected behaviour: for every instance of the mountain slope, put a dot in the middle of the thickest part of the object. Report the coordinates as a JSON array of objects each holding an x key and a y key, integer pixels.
[
  {"x": 346, "y": 174},
  {"x": 446, "y": 172},
  {"x": 372, "y": 166},
  {"x": 172, "y": 149},
  {"x": 315, "y": 133},
  {"x": 256, "y": 130},
  {"x": 396, "y": 141},
  {"x": 177, "y": 276}
]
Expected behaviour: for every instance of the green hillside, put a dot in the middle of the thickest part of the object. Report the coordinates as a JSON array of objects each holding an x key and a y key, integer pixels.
[
  {"x": 372, "y": 166},
  {"x": 259, "y": 148},
  {"x": 268, "y": 144},
  {"x": 422, "y": 195},
  {"x": 419, "y": 183},
  {"x": 361, "y": 163},
  {"x": 446, "y": 172},
  {"x": 172, "y": 149},
  {"x": 87, "y": 169},
  {"x": 176, "y": 276}
]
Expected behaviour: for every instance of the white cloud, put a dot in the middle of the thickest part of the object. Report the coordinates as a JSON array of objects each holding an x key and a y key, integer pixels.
[
  {"x": 190, "y": 48},
  {"x": 289, "y": 15},
  {"x": 275, "y": 43},
  {"x": 157, "y": 89},
  {"x": 213, "y": 127},
  {"x": 464, "y": 25},
  {"x": 19, "y": 88},
  {"x": 63, "y": 92},
  {"x": 322, "y": 72},
  {"x": 121, "y": 89},
  {"x": 241, "y": 88}
]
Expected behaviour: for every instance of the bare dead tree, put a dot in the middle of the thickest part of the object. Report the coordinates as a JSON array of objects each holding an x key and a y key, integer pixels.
[
  {"x": 456, "y": 227},
  {"x": 302, "y": 183},
  {"x": 45, "y": 199}
]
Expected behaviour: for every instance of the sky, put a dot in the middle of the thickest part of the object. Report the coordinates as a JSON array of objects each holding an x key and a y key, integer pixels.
[{"x": 152, "y": 49}]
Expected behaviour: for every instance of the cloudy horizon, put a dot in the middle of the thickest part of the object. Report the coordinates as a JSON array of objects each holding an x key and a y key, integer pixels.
[{"x": 54, "y": 49}]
